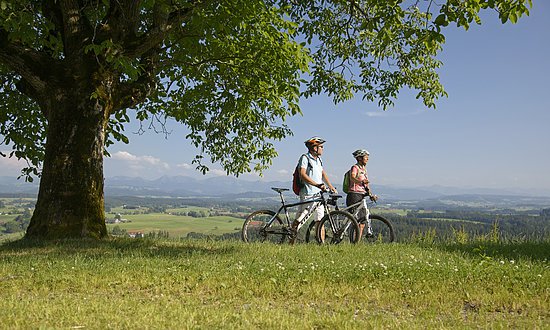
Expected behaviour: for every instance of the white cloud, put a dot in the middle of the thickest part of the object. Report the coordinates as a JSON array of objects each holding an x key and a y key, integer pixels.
[
  {"x": 126, "y": 163},
  {"x": 217, "y": 172},
  {"x": 123, "y": 155},
  {"x": 128, "y": 157},
  {"x": 283, "y": 172},
  {"x": 154, "y": 161},
  {"x": 184, "y": 166}
]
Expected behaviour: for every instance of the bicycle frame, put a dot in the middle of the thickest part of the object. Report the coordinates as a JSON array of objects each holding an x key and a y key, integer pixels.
[
  {"x": 360, "y": 205},
  {"x": 269, "y": 225},
  {"x": 320, "y": 199}
]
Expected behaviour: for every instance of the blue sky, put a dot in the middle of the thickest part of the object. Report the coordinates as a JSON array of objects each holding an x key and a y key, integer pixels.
[{"x": 492, "y": 131}]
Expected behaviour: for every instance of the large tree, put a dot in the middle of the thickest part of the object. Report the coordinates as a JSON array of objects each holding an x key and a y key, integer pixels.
[{"x": 74, "y": 72}]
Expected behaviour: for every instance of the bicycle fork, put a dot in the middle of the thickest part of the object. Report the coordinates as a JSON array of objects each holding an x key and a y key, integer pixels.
[{"x": 367, "y": 216}]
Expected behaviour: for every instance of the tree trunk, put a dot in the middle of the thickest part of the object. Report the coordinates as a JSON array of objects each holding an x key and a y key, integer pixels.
[{"x": 70, "y": 199}]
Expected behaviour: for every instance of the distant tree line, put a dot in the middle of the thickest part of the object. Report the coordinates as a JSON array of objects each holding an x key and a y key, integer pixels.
[{"x": 472, "y": 224}]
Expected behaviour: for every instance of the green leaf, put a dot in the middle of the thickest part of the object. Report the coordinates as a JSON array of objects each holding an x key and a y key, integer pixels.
[{"x": 441, "y": 20}]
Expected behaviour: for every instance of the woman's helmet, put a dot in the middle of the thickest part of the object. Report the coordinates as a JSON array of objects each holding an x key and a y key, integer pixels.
[
  {"x": 314, "y": 141},
  {"x": 360, "y": 153}
]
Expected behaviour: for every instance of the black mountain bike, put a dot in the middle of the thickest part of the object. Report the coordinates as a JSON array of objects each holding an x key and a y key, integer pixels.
[{"x": 270, "y": 226}]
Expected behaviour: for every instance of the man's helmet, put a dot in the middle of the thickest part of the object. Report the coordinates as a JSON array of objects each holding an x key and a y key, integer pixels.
[
  {"x": 314, "y": 141},
  {"x": 360, "y": 153}
]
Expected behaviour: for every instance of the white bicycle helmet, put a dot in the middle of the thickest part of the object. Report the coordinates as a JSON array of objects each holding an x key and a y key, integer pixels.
[{"x": 360, "y": 153}]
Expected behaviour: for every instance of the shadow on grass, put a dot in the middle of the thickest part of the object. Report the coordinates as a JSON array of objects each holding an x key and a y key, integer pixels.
[
  {"x": 535, "y": 251},
  {"x": 116, "y": 246}
]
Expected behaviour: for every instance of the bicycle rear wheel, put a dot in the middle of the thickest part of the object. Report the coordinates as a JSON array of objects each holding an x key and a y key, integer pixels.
[
  {"x": 256, "y": 228},
  {"x": 382, "y": 230},
  {"x": 337, "y": 227}
]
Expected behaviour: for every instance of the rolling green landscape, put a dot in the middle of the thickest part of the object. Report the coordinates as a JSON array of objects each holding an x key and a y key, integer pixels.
[{"x": 222, "y": 218}]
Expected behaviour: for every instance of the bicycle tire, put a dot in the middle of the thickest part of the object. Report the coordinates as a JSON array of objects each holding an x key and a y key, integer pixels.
[
  {"x": 310, "y": 236},
  {"x": 255, "y": 230},
  {"x": 382, "y": 230},
  {"x": 346, "y": 228}
]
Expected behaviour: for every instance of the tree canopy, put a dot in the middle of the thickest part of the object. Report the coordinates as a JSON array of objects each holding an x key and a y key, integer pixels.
[
  {"x": 73, "y": 73},
  {"x": 230, "y": 71}
]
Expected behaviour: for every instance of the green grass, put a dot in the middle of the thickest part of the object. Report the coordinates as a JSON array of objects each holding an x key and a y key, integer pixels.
[
  {"x": 168, "y": 284},
  {"x": 180, "y": 226}
]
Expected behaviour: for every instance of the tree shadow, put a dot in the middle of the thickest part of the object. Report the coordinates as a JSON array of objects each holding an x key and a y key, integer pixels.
[
  {"x": 535, "y": 251},
  {"x": 115, "y": 246}
]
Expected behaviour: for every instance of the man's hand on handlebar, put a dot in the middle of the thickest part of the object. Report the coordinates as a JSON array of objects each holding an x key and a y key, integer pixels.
[
  {"x": 373, "y": 198},
  {"x": 324, "y": 188}
]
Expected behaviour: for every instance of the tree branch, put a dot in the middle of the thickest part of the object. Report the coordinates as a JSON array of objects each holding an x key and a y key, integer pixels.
[
  {"x": 163, "y": 23},
  {"x": 129, "y": 94},
  {"x": 33, "y": 67}
]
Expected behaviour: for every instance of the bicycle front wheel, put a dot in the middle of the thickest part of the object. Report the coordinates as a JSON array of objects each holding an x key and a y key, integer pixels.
[
  {"x": 310, "y": 235},
  {"x": 263, "y": 226},
  {"x": 381, "y": 230},
  {"x": 337, "y": 227}
]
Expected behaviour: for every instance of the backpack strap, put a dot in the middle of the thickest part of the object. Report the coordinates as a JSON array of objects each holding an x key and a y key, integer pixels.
[
  {"x": 309, "y": 168},
  {"x": 308, "y": 162}
]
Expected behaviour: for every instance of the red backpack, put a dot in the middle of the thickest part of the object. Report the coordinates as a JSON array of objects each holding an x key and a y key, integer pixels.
[{"x": 297, "y": 183}]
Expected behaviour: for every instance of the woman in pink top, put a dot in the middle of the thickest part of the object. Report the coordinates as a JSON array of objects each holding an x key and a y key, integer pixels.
[{"x": 359, "y": 184}]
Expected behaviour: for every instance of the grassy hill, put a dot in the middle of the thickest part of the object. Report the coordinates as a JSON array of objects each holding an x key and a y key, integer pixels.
[{"x": 169, "y": 284}]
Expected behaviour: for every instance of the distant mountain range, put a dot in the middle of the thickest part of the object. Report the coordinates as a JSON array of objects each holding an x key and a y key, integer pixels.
[{"x": 183, "y": 186}]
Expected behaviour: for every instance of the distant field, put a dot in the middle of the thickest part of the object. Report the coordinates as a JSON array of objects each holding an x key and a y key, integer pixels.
[
  {"x": 179, "y": 225},
  {"x": 7, "y": 217}
]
